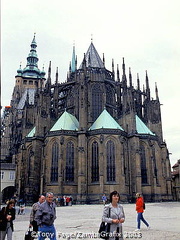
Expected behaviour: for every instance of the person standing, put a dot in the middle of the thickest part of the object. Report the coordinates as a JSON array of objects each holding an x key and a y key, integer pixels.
[
  {"x": 45, "y": 216},
  {"x": 114, "y": 215},
  {"x": 7, "y": 215},
  {"x": 140, "y": 210},
  {"x": 35, "y": 207},
  {"x": 104, "y": 199}
]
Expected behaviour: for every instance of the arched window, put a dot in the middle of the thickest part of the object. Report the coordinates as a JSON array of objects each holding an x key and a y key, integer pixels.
[
  {"x": 54, "y": 163},
  {"x": 96, "y": 102},
  {"x": 69, "y": 162},
  {"x": 110, "y": 153},
  {"x": 143, "y": 165},
  {"x": 95, "y": 162}
]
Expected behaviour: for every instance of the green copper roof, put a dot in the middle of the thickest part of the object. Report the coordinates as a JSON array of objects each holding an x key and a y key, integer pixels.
[
  {"x": 66, "y": 122},
  {"x": 32, "y": 132},
  {"x": 105, "y": 120},
  {"x": 141, "y": 127},
  {"x": 31, "y": 69}
]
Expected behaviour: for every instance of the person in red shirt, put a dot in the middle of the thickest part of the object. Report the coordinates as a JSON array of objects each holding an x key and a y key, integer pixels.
[{"x": 140, "y": 210}]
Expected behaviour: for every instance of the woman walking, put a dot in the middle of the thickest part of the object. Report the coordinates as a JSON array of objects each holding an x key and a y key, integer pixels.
[
  {"x": 7, "y": 215},
  {"x": 140, "y": 210},
  {"x": 114, "y": 215}
]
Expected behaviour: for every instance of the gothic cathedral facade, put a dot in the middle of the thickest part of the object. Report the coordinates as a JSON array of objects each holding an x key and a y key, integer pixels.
[{"x": 90, "y": 135}]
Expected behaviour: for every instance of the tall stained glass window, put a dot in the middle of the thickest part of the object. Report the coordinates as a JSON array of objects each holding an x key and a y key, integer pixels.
[
  {"x": 95, "y": 162},
  {"x": 54, "y": 162},
  {"x": 110, "y": 153},
  {"x": 69, "y": 162},
  {"x": 96, "y": 102},
  {"x": 143, "y": 165}
]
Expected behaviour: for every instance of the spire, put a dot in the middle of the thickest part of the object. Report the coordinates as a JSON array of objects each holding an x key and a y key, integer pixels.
[
  {"x": 113, "y": 66},
  {"x": 130, "y": 78},
  {"x": 124, "y": 73},
  {"x": 118, "y": 78},
  {"x": 56, "y": 76},
  {"x": 70, "y": 67},
  {"x": 103, "y": 60},
  {"x": 123, "y": 68},
  {"x": 147, "y": 81},
  {"x": 93, "y": 55},
  {"x": 73, "y": 63},
  {"x": 156, "y": 90},
  {"x": 32, "y": 58},
  {"x": 84, "y": 62},
  {"x": 49, "y": 71},
  {"x": 31, "y": 68},
  {"x": 48, "y": 83},
  {"x": 143, "y": 92},
  {"x": 138, "y": 83},
  {"x": 147, "y": 86}
]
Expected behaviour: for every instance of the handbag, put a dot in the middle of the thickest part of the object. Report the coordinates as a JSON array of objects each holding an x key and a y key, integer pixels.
[
  {"x": 144, "y": 206},
  {"x": 104, "y": 229},
  {"x": 28, "y": 235}
]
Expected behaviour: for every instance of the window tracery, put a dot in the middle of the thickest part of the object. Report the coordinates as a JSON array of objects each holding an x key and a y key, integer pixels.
[
  {"x": 54, "y": 163},
  {"x": 110, "y": 153},
  {"x": 95, "y": 162}
]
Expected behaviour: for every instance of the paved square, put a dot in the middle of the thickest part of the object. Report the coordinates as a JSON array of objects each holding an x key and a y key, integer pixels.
[{"x": 78, "y": 221}]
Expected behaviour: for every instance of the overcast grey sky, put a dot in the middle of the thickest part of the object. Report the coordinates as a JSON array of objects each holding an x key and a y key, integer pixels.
[{"x": 145, "y": 33}]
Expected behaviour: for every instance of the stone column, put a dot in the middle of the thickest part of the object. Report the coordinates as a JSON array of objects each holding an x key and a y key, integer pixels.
[
  {"x": 82, "y": 168},
  {"x": 102, "y": 166},
  {"x": 61, "y": 165}
]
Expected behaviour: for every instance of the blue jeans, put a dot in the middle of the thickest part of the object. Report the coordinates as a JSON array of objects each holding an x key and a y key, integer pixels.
[
  {"x": 46, "y": 231},
  {"x": 141, "y": 218}
]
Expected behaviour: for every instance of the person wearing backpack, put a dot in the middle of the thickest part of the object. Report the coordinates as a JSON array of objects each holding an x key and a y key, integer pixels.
[{"x": 140, "y": 206}]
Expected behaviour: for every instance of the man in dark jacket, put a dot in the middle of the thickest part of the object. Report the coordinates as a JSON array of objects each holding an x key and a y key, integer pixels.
[
  {"x": 7, "y": 215},
  {"x": 45, "y": 216}
]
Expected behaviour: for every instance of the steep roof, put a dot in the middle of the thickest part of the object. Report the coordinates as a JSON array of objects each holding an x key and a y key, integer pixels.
[
  {"x": 66, "y": 122},
  {"x": 105, "y": 120},
  {"x": 31, "y": 133},
  {"x": 141, "y": 127},
  {"x": 92, "y": 58}
]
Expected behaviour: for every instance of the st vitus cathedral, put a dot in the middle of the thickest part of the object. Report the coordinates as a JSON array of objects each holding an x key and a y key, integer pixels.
[{"x": 90, "y": 135}]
